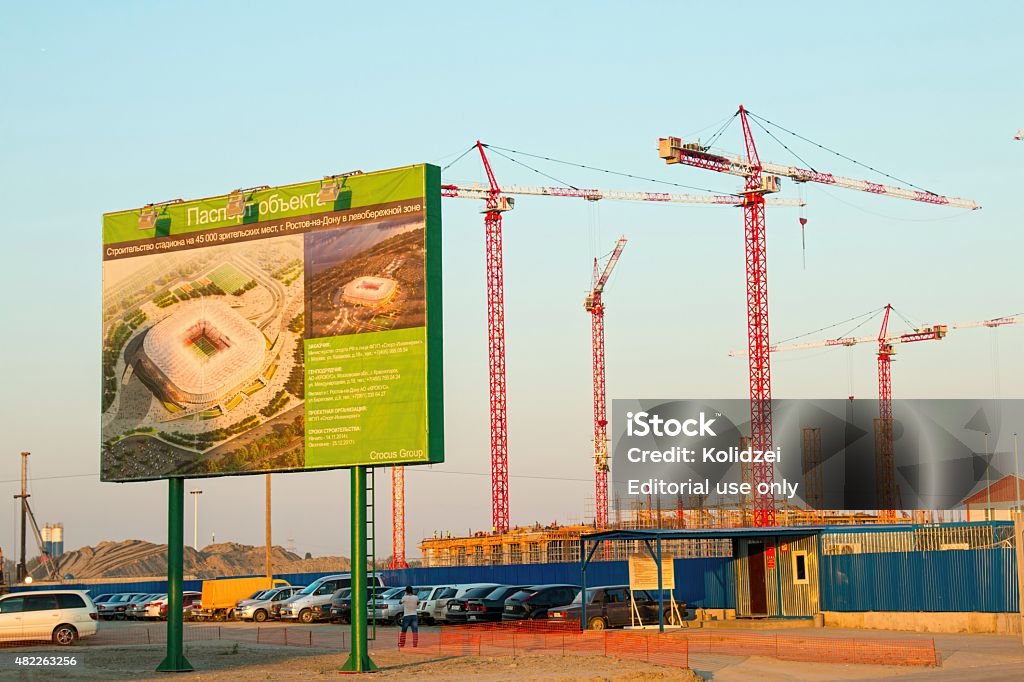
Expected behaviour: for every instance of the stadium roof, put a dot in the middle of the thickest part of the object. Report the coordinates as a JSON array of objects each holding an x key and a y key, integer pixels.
[{"x": 204, "y": 347}]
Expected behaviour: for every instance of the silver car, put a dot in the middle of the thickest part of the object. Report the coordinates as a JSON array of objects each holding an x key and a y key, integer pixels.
[
  {"x": 387, "y": 607},
  {"x": 136, "y": 609},
  {"x": 260, "y": 609}
]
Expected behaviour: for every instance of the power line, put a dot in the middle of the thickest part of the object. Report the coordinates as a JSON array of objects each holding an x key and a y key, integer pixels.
[
  {"x": 50, "y": 478},
  {"x": 416, "y": 469}
]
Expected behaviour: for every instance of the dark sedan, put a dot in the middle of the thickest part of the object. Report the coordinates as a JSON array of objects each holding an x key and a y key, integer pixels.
[
  {"x": 611, "y": 607},
  {"x": 481, "y": 604},
  {"x": 341, "y": 606},
  {"x": 531, "y": 603}
]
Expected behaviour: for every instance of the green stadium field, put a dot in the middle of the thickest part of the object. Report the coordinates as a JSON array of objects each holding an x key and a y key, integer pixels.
[
  {"x": 228, "y": 278},
  {"x": 204, "y": 347}
]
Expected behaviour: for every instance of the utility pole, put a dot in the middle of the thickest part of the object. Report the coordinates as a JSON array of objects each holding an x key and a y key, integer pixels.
[
  {"x": 22, "y": 570},
  {"x": 270, "y": 571},
  {"x": 195, "y": 517}
]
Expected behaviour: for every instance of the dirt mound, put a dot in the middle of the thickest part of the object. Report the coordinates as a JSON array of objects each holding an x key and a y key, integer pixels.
[{"x": 138, "y": 558}]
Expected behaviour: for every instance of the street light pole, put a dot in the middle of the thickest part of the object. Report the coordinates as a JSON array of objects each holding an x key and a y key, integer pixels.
[{"x": 195, "y": 517}]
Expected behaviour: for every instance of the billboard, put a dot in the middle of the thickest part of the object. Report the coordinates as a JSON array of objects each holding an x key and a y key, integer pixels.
[{"x": 275, "y": 329}]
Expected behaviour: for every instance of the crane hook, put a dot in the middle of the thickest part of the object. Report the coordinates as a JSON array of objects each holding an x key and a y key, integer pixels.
[{"x": 803, "y": 240}]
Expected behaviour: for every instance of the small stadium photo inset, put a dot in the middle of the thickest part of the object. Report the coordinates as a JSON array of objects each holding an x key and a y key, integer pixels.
[{"x": 368, "y": 278}]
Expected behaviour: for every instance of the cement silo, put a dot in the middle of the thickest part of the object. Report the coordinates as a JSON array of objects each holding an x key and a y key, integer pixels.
[{"x": 57, "y": 540}]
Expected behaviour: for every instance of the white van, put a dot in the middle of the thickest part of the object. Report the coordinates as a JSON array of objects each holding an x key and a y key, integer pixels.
[
  {"x": 318, "y": 593},
  {"x": 60, "y": 616}
]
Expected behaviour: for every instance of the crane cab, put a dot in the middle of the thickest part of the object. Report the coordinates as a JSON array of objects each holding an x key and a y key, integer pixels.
[
  {"x": 770, "y": 184},
  {"x": 504, "y": 204},
  {"x": 939, "y": 330},
  {"x": 668, "y": 149}
]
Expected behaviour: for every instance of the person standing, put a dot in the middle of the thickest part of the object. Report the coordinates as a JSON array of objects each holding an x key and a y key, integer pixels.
[{"x": 410, "y": 602}]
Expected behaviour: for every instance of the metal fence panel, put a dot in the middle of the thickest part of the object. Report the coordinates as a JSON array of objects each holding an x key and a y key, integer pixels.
[{"x": 977, "y": 580}]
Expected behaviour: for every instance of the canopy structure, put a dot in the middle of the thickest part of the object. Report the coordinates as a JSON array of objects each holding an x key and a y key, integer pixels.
[{"x": 653, "y": 538}]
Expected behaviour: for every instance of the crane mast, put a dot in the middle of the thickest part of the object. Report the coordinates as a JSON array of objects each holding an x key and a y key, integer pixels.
[
  {"x": 495, "y": 205},
  {"x": 594, "y": 305},
  {"x": 758, "y": 364}
]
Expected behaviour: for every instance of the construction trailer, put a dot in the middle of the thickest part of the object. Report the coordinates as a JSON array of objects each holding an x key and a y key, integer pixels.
[{"x": 911, "y": 576}]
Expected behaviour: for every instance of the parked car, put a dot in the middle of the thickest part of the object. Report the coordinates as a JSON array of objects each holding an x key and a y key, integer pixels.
[
  {"x": 157, "y": 608},
  {"x": 318, "y": 593},
  {"x": 388, "y": 608},
  {"x": 59, "y": 616},
  {"x": 610, "y": 607},
  {"x": 340, "y": 606},
  {"x": 532, "y": 603},
  {"x": 259, "y": 609},
  {"x": 115, "y": 607},
  {"x": 105, "y": 608},
  {"x": 481, "y": 604},
  {"x": 102, "y": 598},
  {"x": 136, "y": 608},
  {"x": 428, "y": 605},
  {"x": 255, "y": 596},
  {"x": 437, "y": 611}
]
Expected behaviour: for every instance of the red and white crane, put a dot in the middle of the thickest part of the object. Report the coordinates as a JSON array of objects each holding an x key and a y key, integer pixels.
[
  {"x": 762, "y": 178},
  {"x": 594, "y": 304},
  {"x": 498, "y": 200},
  {"x": 885, "y": 481}
]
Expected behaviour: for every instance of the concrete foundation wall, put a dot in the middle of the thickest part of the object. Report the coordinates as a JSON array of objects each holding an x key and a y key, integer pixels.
[{"x": 994, "y": 623}]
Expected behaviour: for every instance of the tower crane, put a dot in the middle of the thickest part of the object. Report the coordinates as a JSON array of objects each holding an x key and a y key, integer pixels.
[
  {"x": 498, "y": 200},
  {"x": 594, "y": 304},
  {"x": 885, "y": 477},
  {"x": 762, "y": 178}
]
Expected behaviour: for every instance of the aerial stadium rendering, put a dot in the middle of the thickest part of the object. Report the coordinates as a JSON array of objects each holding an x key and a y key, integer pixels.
[{"x": 202, "y": 361}]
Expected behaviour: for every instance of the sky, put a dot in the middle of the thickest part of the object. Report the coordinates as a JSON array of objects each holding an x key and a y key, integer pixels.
[{"x": 108, "y": 106}]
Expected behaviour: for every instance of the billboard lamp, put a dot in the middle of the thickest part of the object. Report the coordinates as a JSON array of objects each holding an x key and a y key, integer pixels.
[
  {"x": 148, "y": 213},
  {"x": 236, "y": 204},
  {"x": 329, "y": 187},
  {"x": 329, "y": 190},
  {"x": 147, "y": 217}
]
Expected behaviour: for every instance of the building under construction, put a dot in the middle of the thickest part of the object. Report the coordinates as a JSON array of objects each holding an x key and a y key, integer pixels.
[{"x": 555, "y": 543}]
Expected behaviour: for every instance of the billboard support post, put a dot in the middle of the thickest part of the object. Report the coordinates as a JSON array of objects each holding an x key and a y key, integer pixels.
[
  {"x": 359, "y": 657},
  {"x": 175, "y": 661}
]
